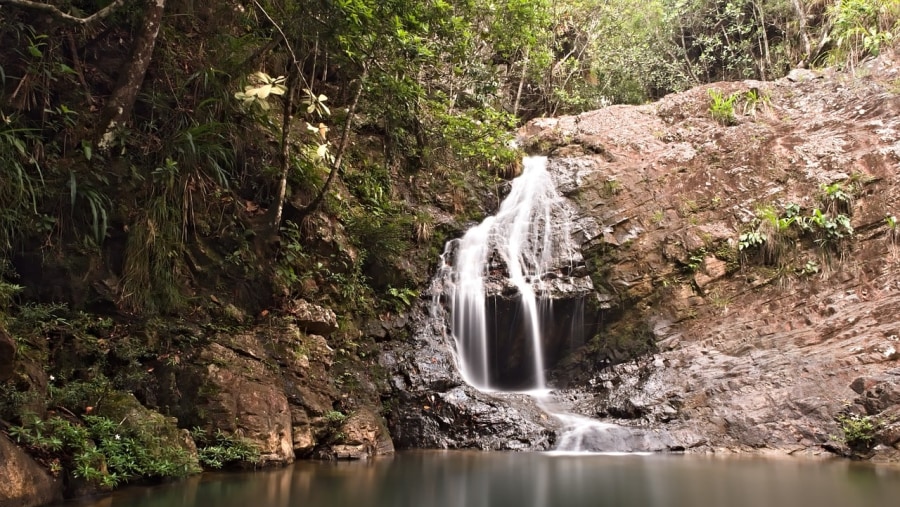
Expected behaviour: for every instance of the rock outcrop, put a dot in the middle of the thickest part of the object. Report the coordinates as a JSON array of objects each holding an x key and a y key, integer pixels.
[
  {"x": 25, "y": 483},
  {"x": 271, "y": 385},
  {"x": 432, "y": 407}
]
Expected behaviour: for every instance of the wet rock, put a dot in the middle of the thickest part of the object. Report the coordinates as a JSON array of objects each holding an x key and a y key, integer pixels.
[
  {"x": 432, "y": 407},
  {"x": 24, "y": 482},
  {"x": 313, "y": 318},
  {"x": 364, "y": 436}
]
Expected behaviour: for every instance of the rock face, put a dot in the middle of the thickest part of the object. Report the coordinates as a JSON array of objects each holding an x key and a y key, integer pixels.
[
  {"x": 25, "y": 483},
  {"x": 7, "y": 355},
  {"x": 270, "y": 385},
  {"x": 244, "y": 398},
  {"x": 759, "y": 346}
]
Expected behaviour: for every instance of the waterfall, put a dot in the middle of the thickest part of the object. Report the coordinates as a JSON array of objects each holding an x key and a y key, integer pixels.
[
  {"x": 499, "y": 282},
  {"x": 512, "y": 255}
]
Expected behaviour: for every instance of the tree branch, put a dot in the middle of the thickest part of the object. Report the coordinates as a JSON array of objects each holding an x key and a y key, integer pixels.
[{"x": 62, "y": 16}]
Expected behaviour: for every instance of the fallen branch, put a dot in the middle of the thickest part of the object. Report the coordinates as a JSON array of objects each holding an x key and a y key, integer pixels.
[{"x": 62, "y": 16}]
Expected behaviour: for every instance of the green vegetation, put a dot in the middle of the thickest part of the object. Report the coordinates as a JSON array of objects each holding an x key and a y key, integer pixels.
[
  {"x": 722, "y": 108},
  {"x": 859, "y": 430},
  {"x": 893, "y": 232},
  {"x": 221, "y": 450},
  {"x": 319, "y": 150},
  {"x": 102, "y": 451},
  {"x": 861, "y": 28},
  {"x": 773, "y": 236}
]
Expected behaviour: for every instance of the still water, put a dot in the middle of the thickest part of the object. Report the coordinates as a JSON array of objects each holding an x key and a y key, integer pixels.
[{"x": 476, "y": 479}]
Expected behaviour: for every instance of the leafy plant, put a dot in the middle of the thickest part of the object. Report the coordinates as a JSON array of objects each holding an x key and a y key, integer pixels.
[
  {"x": 830, "y": 230},
  {"x": 402, "y": 298},
  {"x": 893, "y": 231},
  {"x": 220, "y": 449},
  {"x": 837, "y": 198},
  {"x": 755, "y": 99},
  {"x": 21, "y": 181},
  {"x": 860, "y": 28},
  {"x": 105, "y": 452},
  {"x": 810, "y": 268},
  {"x": 261, "y": 87},
  {"x": 722, "y": 108},
  {"x": 750, "y": 239},
  {"x": 859, "y": 430}
]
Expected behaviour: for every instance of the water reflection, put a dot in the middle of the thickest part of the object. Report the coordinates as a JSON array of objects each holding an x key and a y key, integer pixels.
[{"x": 474, "y": 479}]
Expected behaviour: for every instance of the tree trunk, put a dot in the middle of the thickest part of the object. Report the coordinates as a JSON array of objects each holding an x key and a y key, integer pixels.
[
  {"x": 288, "y": 112},
  {"x": 807, "y": 47},
  {"x": 118, "y": 106},
  {"x": 342, "y": 148}
]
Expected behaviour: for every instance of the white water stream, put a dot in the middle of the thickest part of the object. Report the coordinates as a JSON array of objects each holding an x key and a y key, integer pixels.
[{"x": 527, "y": 240}]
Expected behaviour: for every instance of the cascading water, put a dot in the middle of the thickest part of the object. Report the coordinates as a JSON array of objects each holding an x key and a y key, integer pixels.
[
  {"x": 499, "y": 282},
  {"x": 510, "y": 253}
]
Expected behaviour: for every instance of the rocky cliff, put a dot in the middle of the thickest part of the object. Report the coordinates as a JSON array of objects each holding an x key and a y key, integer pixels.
[
  {"x": 747, "y": 233},
  {"x": 742, "y": 240}
]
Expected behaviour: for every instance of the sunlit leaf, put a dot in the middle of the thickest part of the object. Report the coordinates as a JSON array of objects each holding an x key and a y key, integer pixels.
[{"x": 264, "y": 91}]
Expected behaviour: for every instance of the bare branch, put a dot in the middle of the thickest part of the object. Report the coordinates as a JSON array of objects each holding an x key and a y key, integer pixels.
[{"x": 62, "y": 16}]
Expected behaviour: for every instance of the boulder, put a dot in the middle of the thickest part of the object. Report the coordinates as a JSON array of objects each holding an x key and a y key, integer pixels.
[
  {"x": 365, "y": 436},
  {"x": 878, "y": 393},
  {"x": 23, "y": 483},
  {"x": 157, "y": 433},
  {"x": 242, "y": 396},
  {"x": 313, "y": 318}
]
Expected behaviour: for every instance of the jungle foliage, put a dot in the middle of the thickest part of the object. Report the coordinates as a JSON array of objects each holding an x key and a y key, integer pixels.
[{"x": 440, "y": 85}]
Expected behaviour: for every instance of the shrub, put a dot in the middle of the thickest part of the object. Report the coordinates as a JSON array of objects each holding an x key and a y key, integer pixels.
[
  {"x": 221, "y": 450},
  {"x": 104, "y": 452},
  {"x": 859, "y": 430}
]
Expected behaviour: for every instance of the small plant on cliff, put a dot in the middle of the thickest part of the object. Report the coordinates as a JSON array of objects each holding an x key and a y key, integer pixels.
[
  {"x": 770, "y": 234},
  {"x": 402, "y": 298},
  {"x": 837, "y": 199},
  {"x": 859, "y": 430},
  {"x": 753, "y": 100},
  {"x": 219, "y": 450},
  {"x": 830, "y": 230},
  {"x": 722, "y": 108},
  {"x": 893, "y": 231}
]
